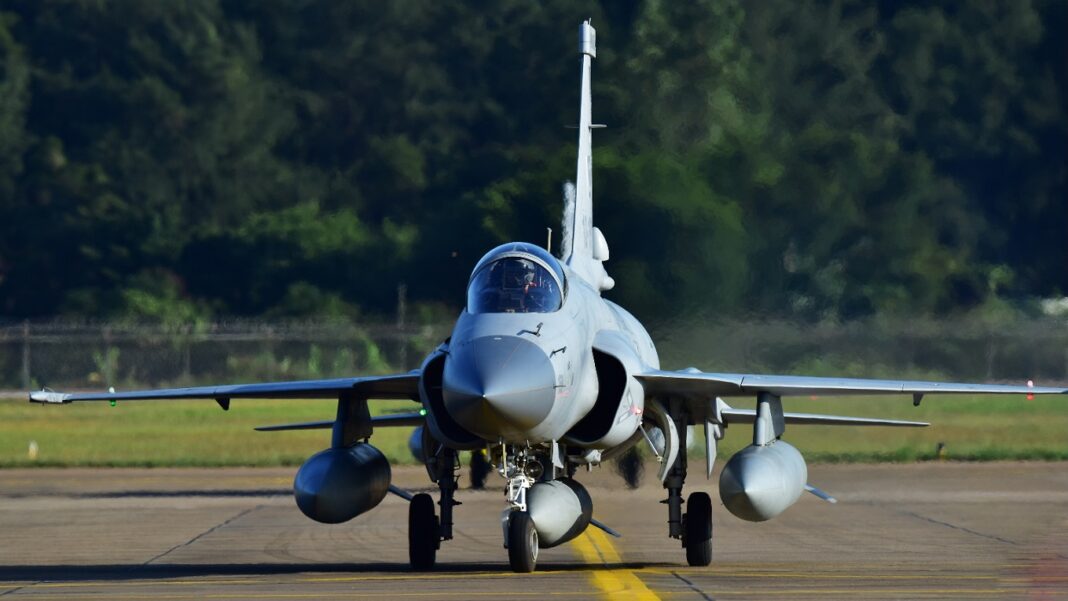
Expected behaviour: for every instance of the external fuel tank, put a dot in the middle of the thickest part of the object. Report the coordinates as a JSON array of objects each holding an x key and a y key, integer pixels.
[
  {"x": 338, "y": 484},
  {"x": 760, "y": 482}
]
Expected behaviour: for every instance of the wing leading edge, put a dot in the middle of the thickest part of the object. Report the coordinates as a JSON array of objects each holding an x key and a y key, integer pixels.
[
  {"x": 399, "y": 386},
  {"x": 696, "y": 384},
  {"x": 730, "y": 415},
  {"x": 399, "y": 420}
]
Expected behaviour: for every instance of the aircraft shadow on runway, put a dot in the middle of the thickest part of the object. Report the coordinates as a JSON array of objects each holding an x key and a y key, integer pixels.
[
  {"x": 126, "y": 494},
  {"x": 79, "y": 573}
]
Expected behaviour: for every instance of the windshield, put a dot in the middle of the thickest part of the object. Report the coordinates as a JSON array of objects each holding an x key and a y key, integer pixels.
[{"x": 513, "y": 285}]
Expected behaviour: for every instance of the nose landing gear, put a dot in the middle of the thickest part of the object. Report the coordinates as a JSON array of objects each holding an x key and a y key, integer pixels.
[
  {"x": 520, "y": 469},
  {"x": 522, "y": 542}
]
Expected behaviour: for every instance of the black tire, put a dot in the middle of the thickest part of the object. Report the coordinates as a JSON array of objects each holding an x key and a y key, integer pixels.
[
  {"x": 480, "y": 468},
  {"x": 698, "y": 525},
  {"x": 522, "y": 542},
  {"x": 423, "y": 532}
]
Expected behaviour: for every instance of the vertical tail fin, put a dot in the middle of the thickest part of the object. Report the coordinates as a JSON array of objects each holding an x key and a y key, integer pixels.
[
  {"x": 586, "y": 243},
  {"x": 582, "y": 228}
]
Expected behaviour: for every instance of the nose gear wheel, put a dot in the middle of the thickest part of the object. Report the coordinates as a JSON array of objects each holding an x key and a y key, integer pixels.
[{"x": 522, "y": 542}]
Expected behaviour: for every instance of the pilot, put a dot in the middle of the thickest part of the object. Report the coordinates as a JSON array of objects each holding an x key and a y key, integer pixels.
[
  {"x": 537, "y": 291},
  {"x": 528, "y": 278},
  {"x": 519, "y": 278},
  {"x": 516, "y": 285}
]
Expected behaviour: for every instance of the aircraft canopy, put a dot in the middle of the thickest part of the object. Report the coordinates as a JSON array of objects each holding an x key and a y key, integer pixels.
[{"x": 516, "y": 278}]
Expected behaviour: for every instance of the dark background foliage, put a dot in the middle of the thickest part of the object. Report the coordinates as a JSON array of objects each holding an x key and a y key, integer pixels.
[{"x": 189, "y": 160}]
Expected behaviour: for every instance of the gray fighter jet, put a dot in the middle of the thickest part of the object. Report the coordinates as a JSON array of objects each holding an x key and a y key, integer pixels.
[{"x": 546, "y": 376}]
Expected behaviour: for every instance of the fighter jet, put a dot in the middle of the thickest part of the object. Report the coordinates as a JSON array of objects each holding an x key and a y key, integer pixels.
[{"x": 546, "y": 376}]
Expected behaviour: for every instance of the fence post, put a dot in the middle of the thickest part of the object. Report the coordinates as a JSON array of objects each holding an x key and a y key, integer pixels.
[
  {"x": 402, "y": 310},
  {"x": 187, "y": 353},
  {"x": 109, "y": 379},
  {"x": 26, "y": 383}
]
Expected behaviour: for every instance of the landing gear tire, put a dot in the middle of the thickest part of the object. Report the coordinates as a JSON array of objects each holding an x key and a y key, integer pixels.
[
  {"x": 423, "y": 532},
  {"x": 698, "y": 526},
  {"x": 522, "y": 542}
]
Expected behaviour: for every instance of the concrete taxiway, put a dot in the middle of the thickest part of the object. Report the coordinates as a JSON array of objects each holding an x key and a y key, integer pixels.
[{"x": 935, "y": 530}]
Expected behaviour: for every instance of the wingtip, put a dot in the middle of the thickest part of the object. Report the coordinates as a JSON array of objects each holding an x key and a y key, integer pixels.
[{"x": 48, "y": 396}]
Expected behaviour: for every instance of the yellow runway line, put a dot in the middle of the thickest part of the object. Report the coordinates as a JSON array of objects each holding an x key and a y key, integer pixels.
[{"x": 614, "y": 583}]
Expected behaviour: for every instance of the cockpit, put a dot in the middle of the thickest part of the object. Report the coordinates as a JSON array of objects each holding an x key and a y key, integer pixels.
[{"x": 516, "y": 278}]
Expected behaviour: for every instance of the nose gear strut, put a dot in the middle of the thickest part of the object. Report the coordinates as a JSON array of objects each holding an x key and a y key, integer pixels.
[{"x": 520, "y": 468}]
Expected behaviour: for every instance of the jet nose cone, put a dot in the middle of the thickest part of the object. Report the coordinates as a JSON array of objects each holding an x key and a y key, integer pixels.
[{"x": 499, "y": 386}]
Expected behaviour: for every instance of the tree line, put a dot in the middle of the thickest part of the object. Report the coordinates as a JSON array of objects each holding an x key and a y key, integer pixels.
[{"x": 181, "y": 161}]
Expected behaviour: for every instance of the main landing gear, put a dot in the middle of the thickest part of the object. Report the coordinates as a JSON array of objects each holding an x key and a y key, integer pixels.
[
  {"x": 425, "y": 529},
  {"x": 694, "y": 528},
  {"x": 423, "y": 532},
  {"x": 697, "y": 529}
]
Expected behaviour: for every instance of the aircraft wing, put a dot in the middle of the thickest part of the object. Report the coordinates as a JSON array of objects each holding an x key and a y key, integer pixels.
[
  {"x": 697, "y": 384},
  {"x": 379, "y": 421},
  {"x": 399, "y": 386},
  {"x": 730, "y": 415}
]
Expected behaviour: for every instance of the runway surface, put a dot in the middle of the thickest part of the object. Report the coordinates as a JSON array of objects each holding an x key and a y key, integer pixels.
[{"x": 937, "y": 530}]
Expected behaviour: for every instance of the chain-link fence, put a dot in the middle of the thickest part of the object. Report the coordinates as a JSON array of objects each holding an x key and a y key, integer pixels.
[
  {"x": 87, "y": 355},
  {"x": 97, "y": 355},
  {"x": 962, "y": 349}
]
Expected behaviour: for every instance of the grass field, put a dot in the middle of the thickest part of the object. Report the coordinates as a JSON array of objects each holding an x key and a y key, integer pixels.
[{"x": 198, "y": 433}]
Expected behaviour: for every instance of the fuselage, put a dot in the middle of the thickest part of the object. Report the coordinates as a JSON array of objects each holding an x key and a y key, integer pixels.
[{"x": 527, "y": 373}]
